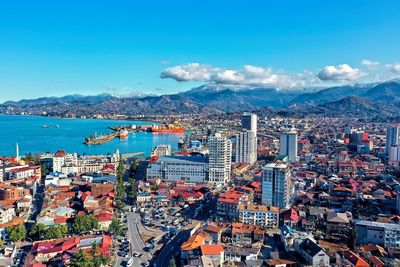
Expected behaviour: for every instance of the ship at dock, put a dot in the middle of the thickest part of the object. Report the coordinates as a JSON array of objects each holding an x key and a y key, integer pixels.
[
  {"x": 123, "y": 134},
  {"x": 167, "y": 128},
  {"x": 99, "y": 139}
]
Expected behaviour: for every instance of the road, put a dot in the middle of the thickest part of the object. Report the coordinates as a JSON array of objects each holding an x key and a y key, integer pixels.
[{"x": 171, "y": 249}]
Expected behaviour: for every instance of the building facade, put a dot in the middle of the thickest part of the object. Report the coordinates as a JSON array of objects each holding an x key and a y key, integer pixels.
[
  {"x": 249, "y": 122},
  {"x": 276, "y": 185},
  {"x": 392, "y": 137},
  {"x": 246, "y": 147},
  {"x": 288, "y": 145},
  {"x": 378, "y": 233},
  {"x": 179, "y": 168},
  {"x": 263, "y": 215},
  {"x": 220, "y": 158}
]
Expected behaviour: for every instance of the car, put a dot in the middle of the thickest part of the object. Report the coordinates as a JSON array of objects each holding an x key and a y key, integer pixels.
[
  {"x": 136, "y": 254},
  {"x": 146, "y": 264},
  {"x": 177, "y": 214}
]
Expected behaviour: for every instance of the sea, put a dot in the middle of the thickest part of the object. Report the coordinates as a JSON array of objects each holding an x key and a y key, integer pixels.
[{"x": 69, "y": 134}]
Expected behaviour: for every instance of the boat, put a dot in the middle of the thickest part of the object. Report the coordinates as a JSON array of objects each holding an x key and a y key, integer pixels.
[
  {"x": 169, "y": 128},
  {"x": 123, "y": 134},
  {"x": 57, "y": 126},
  {"x": 45, "y": 126},
  {"x": 99, "y": 140}
]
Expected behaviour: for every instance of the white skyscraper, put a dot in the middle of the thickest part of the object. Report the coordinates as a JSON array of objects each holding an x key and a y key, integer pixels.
[
  {"x": 220, "y": 158},
  {"x": 246, "y": 147},
  {"x": 392, "y": 137},
  {"x": 288, "y": 146},
  {"x": 276, "y": 185},
  {"x": 249, "y": 121}
]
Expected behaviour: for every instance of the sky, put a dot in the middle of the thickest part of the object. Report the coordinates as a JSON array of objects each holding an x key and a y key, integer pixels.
[{"x": 55, "y": 48}]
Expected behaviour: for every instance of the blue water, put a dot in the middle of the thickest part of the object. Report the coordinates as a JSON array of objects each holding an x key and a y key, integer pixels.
[{"x": 27, "y": 131}]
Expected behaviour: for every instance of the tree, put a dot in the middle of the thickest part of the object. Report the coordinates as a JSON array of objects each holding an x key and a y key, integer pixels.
[
  {"x": 52, "y": 232},
  {"x": 133, "y": 168},
  {"x": 172, "y": 263},
  {"x": 120, "y": 188},
  {"x": 117, "y": 228},
  {"x": 80, "y": 259},
  {"x": 132, "y": 191},
  {"x": 17, "y": 233},
  {"x": 37, "y": 230},
  {"x": 84, "y": 223},
  {"x": 1, "y": 242},
  {"x": 43, "y": 169},
  {"x": 98, "y": 259}
]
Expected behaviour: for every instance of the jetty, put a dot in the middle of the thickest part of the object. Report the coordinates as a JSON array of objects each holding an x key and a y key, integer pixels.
[{"x": 101, "y": 139}]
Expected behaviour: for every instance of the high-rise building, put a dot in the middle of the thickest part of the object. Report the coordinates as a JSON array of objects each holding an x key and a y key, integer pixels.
[
  {"x": 249, "y": 121},
  {"x": 220, "y": 158},
  {"x": 246, "y": 147},
  {"x": 276, "y": 185},
  {"x": 288, "y": 146},
  {"x": 394, "y": 155},
  {"x": 392, "y": 137}
]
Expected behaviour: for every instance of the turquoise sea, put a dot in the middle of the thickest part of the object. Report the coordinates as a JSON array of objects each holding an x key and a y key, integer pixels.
[{"x": 31, "y": 137}]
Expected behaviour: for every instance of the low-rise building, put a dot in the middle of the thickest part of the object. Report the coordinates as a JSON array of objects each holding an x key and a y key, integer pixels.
[{"x": 263, "y": 215}]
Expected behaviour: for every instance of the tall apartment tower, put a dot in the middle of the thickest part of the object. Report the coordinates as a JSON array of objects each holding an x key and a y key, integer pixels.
[
  {"x": 249, "y": 121},
  {"x": 288, "y": 146},
  {"x": 246, "y": 147},
  {"x": 392, "y": 137},
  {"x": 276, "y": 185},
  {"x": 220, "y": 158}
]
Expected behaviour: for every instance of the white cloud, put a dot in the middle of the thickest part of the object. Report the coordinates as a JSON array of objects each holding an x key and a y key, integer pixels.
[
  {"x": 394, "y": 68},
  {"x": 369, "y": 63},
  {"x": 341, "y": 72},
  {"x": 249, "y": 75}
]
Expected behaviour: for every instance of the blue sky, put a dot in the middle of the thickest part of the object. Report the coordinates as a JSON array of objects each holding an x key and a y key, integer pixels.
[{"x": 53, "y": 48}]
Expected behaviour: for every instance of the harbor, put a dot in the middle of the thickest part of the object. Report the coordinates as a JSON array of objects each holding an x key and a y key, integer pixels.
[{"x": 122, "y": 132}]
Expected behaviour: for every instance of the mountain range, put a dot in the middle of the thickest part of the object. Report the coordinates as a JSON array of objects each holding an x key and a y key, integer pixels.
[{"x": 374, "y": 99}]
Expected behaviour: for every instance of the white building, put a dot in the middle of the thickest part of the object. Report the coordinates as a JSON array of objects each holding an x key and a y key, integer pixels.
[
  {"x": 276, "y": 185},
  {"x": 249, "y": 121},
  {"x": 288, "y": 146},
  {"x": 220, "y": 158},
  {"x": 378, "y": 233},
  {"x": 246, "y": 147},
  {"x": 161, "y": 150},
  {"x": 263, "y": 215},
  {"x": 394, "y": 155},
  {"x": 179, "y": 168},
  {"x": 392, "y": 137},
  {"x": 56, "y": 180}
]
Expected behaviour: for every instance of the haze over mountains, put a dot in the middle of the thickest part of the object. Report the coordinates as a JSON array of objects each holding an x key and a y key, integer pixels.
[{"x": 377, "y": 99}]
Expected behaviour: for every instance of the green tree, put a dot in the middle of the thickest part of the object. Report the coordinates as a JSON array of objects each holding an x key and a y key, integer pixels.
[
  {"x": 17, "y": 233},
  {"x": 84, "y": 223},
  {"x": 52, "y": 232},
  {"x": 98, "y": 259},
  {"x": 172, "y": 263},
  {"x": 43, "y": 169},
  {"x": 37, "y": 230},
  {"x": 133, "y": 168},
  {"x": 132, "y": 190},
  {"x": 117, "y": 228},
  {"x": 80, "y": 259}
]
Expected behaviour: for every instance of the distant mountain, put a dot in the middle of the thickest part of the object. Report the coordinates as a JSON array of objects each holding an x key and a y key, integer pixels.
[
  {"x": 384, "y": 92},
  {"x": 380, "y": 99},
  {"x": 352, "y": 106},
  {"x": 64, "y": 99}
]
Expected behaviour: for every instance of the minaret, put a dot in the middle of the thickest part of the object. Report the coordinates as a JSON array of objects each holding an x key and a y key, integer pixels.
[{"x": 17, "y": 151}]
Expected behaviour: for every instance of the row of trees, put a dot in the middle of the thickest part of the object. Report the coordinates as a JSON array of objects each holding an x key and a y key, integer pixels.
[
  {"x": 42, "y": 231},
  {"x": 119, "y": 187}
]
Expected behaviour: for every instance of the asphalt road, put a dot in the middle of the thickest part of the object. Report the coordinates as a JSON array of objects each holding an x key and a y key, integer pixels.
[{"x": 171, "y": 249}]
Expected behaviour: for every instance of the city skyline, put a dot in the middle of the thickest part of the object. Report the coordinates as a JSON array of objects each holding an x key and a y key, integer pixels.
[{"x": 133, "y": 47}]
